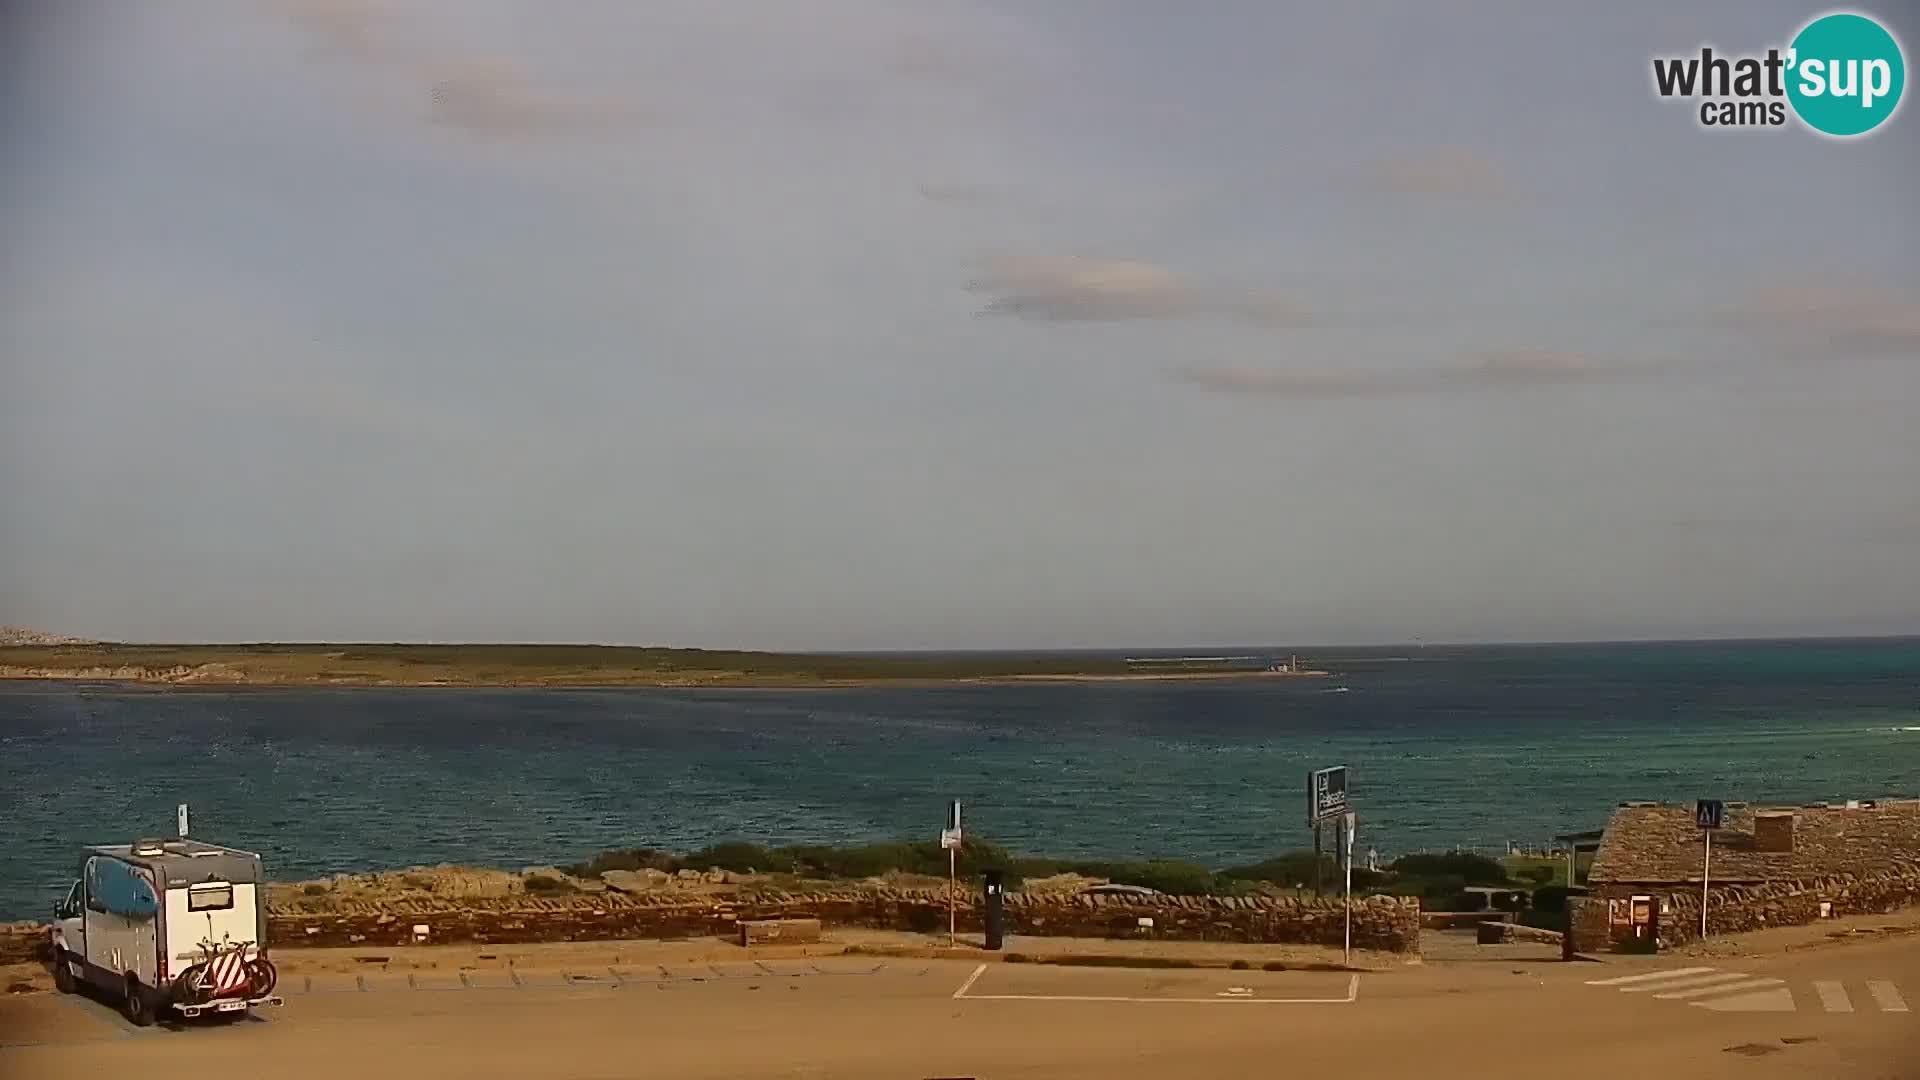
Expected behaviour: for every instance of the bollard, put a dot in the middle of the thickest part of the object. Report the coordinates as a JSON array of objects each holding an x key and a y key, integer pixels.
[{"x": 996, "y": 909}]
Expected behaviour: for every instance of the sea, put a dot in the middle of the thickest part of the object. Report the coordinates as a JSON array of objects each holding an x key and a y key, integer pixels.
[{"x": 1470, "y": 747}]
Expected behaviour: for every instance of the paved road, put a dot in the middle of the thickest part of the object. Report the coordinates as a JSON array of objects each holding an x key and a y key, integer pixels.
[{"x": 902, "y": 1020}]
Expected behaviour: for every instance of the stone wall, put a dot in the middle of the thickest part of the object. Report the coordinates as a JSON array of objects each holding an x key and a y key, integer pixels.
[
  {"x": 1734, "y": 909},
  {"x": 22, "y": 943},
  {"x": 1384, "y": 923}
]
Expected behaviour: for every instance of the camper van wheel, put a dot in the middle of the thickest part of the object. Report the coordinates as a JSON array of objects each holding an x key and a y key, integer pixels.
[
  {"x": 138, "y": 1006},
  {"x": 63, "y": 972}
]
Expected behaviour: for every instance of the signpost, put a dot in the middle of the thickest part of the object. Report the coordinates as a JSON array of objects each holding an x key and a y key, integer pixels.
[
  {"x": 180, "y": 813},
  {"x": 1326, "y": 801},
  {"x": 1708, "y": 814},
  {"x": 1347, "y": 857},
  {"x": 950, "y": 838}
]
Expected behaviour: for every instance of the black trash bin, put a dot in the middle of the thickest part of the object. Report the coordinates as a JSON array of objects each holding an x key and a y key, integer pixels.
[{"x": 996, "y": 909}]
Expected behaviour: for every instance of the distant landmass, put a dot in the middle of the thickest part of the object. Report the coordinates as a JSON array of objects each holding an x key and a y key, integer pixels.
[
  {"x": 20, "y": 635},
  {"x": 43, "y": 656}
]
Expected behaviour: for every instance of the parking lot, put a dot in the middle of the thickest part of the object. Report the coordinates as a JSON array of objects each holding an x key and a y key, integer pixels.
[{"x": 862, "y": 1018}]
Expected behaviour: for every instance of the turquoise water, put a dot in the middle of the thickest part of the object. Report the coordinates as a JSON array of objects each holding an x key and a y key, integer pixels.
[{"x": 1468, "y": 746}]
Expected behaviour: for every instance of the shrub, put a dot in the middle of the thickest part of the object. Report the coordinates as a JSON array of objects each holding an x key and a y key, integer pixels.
[
  {"x": 1550, "y": 898},
  {"x": 735, "y": 855},
  {"x": 1166, "y": 875},
  {"x": 1539, "y": 875},
  {"x": 1295, "y": 870},
  {"x": 1473, "y": 869},
  {"x": 315, "y": 889},
  {"x": 1274, "y": 965},
  {"x": 627, "y": 859},
  {"x": 1239, "y": 965}
]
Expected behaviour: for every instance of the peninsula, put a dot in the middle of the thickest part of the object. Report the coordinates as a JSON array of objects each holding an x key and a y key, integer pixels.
[{"x": 474, "y": 665}]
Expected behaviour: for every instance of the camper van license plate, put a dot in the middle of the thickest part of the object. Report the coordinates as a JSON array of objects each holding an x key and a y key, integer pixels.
[{"x": 230, "y": 1006}]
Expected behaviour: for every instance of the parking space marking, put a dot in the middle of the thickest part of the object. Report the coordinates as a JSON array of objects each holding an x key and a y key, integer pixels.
[{"x": 964, "y": 993}]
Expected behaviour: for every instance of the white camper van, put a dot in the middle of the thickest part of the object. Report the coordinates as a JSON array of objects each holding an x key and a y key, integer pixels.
[{"x": 173, "y": 924}]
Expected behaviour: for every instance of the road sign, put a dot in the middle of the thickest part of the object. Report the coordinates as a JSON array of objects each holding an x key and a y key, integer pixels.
[
  {"x": 180, "y": 813},
  {"x": 1326, "y": 794},
  {"x": 1709, "y": 814},
  {"x": 950, "y": 839}
]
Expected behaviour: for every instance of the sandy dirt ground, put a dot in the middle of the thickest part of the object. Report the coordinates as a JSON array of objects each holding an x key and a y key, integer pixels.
[{"x": 706, "y": 1010}]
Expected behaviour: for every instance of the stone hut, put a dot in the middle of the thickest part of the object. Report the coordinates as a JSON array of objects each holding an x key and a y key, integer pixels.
[{"x": 1771, "y": 865}]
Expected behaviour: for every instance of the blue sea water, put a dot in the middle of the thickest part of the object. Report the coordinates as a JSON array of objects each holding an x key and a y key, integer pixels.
[{"x": 1471, "y": 746}]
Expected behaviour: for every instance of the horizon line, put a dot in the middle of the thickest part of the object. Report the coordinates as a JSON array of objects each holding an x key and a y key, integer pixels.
[{"x": 995, "y": 650}]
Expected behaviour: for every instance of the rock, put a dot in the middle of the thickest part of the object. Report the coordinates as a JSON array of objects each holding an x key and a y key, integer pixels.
[
  {"x": 629, "y": 881},
  {"x": 716, "y": 876},
  {"x": 688, "y": 875}
]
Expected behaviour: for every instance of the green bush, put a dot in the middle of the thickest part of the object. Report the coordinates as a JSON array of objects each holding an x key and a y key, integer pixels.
[
  {"x": 735, "y": 855},
  {"x": 1550, "y": 898},
  {"x": 1295, "y": 870},
  {"x": 628, "y": 859},
  {"x": 1539, "y": 875},
  {"x": 314, "y": 889},
  {"x": 1473, "y": 869}
]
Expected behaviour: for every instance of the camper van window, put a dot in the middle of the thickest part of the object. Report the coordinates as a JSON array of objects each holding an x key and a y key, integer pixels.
[{"x": 209, "y": 897}]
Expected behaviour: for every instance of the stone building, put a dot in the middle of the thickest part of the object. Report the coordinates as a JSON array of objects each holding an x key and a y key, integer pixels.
[{"x": 1770, "y": 866}]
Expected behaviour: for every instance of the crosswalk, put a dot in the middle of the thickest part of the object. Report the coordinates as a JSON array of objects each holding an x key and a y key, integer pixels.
[{"x": 1739, "y": 991}]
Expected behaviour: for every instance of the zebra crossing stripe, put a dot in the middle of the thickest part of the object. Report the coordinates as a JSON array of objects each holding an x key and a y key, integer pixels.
[
  {"x": 1626, "y": 980},
  {"x": 1833, "y": 996},
  {"x": 1743, "y": 983},
  {"x": 1887, "y": 996},
  {"x": 1689, "y": 980},
  {"x": 1779, "y": 999}
]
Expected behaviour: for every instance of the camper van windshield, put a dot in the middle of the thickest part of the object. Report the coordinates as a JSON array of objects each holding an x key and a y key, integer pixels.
[{"x": 209, "y": 897}]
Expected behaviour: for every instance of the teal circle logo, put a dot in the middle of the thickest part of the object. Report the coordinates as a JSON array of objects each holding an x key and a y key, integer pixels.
[{"x": 1845, "y": 74}]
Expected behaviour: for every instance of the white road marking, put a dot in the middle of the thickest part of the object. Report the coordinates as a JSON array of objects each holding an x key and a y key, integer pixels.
[
  {"x": 1624, "y": 980},
  {"x": 1887, "y": 996},
  {"x": 1833, "y": 996},
  {"x": 1353, "y": 993},
  {"x": 1719, "y": 988},
  {"x": 971, "y": 979},
  {"x": 1690, "y": 980},
  {"x": 1780, "y": 1000}
]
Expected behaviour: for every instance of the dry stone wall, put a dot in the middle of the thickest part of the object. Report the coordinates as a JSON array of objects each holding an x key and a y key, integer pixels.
[
  {"x": 1384, "y": 923},
  {"x": 1734, "y": 909}
]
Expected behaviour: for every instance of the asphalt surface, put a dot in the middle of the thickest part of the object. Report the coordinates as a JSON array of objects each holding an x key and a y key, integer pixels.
[{"x": 1829, "y": 1012}]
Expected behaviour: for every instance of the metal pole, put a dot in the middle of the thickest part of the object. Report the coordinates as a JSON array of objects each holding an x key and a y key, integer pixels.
[
  {"x": 1347, "y": 826},
  {"x": 1706, "y": 867},
  {"x": 953, "y": 935},
  {"x": 1316, "y": 859}
]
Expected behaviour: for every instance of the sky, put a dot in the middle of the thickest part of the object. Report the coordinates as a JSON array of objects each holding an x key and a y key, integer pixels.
[{"x": 873, "y": 324}]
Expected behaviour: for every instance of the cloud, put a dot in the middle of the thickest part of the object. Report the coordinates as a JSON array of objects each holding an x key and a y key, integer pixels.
[
  {"x": 1453, "y": 172},
  {"x": 1486, "y": 371},
  {"x": 341, "y": 26},
  {"x": 1072, "y": 288},
  {"x": 1864, "y": 317},
  {"x": 490, "y": 98},
  {"x": 958, "y": 194}
]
